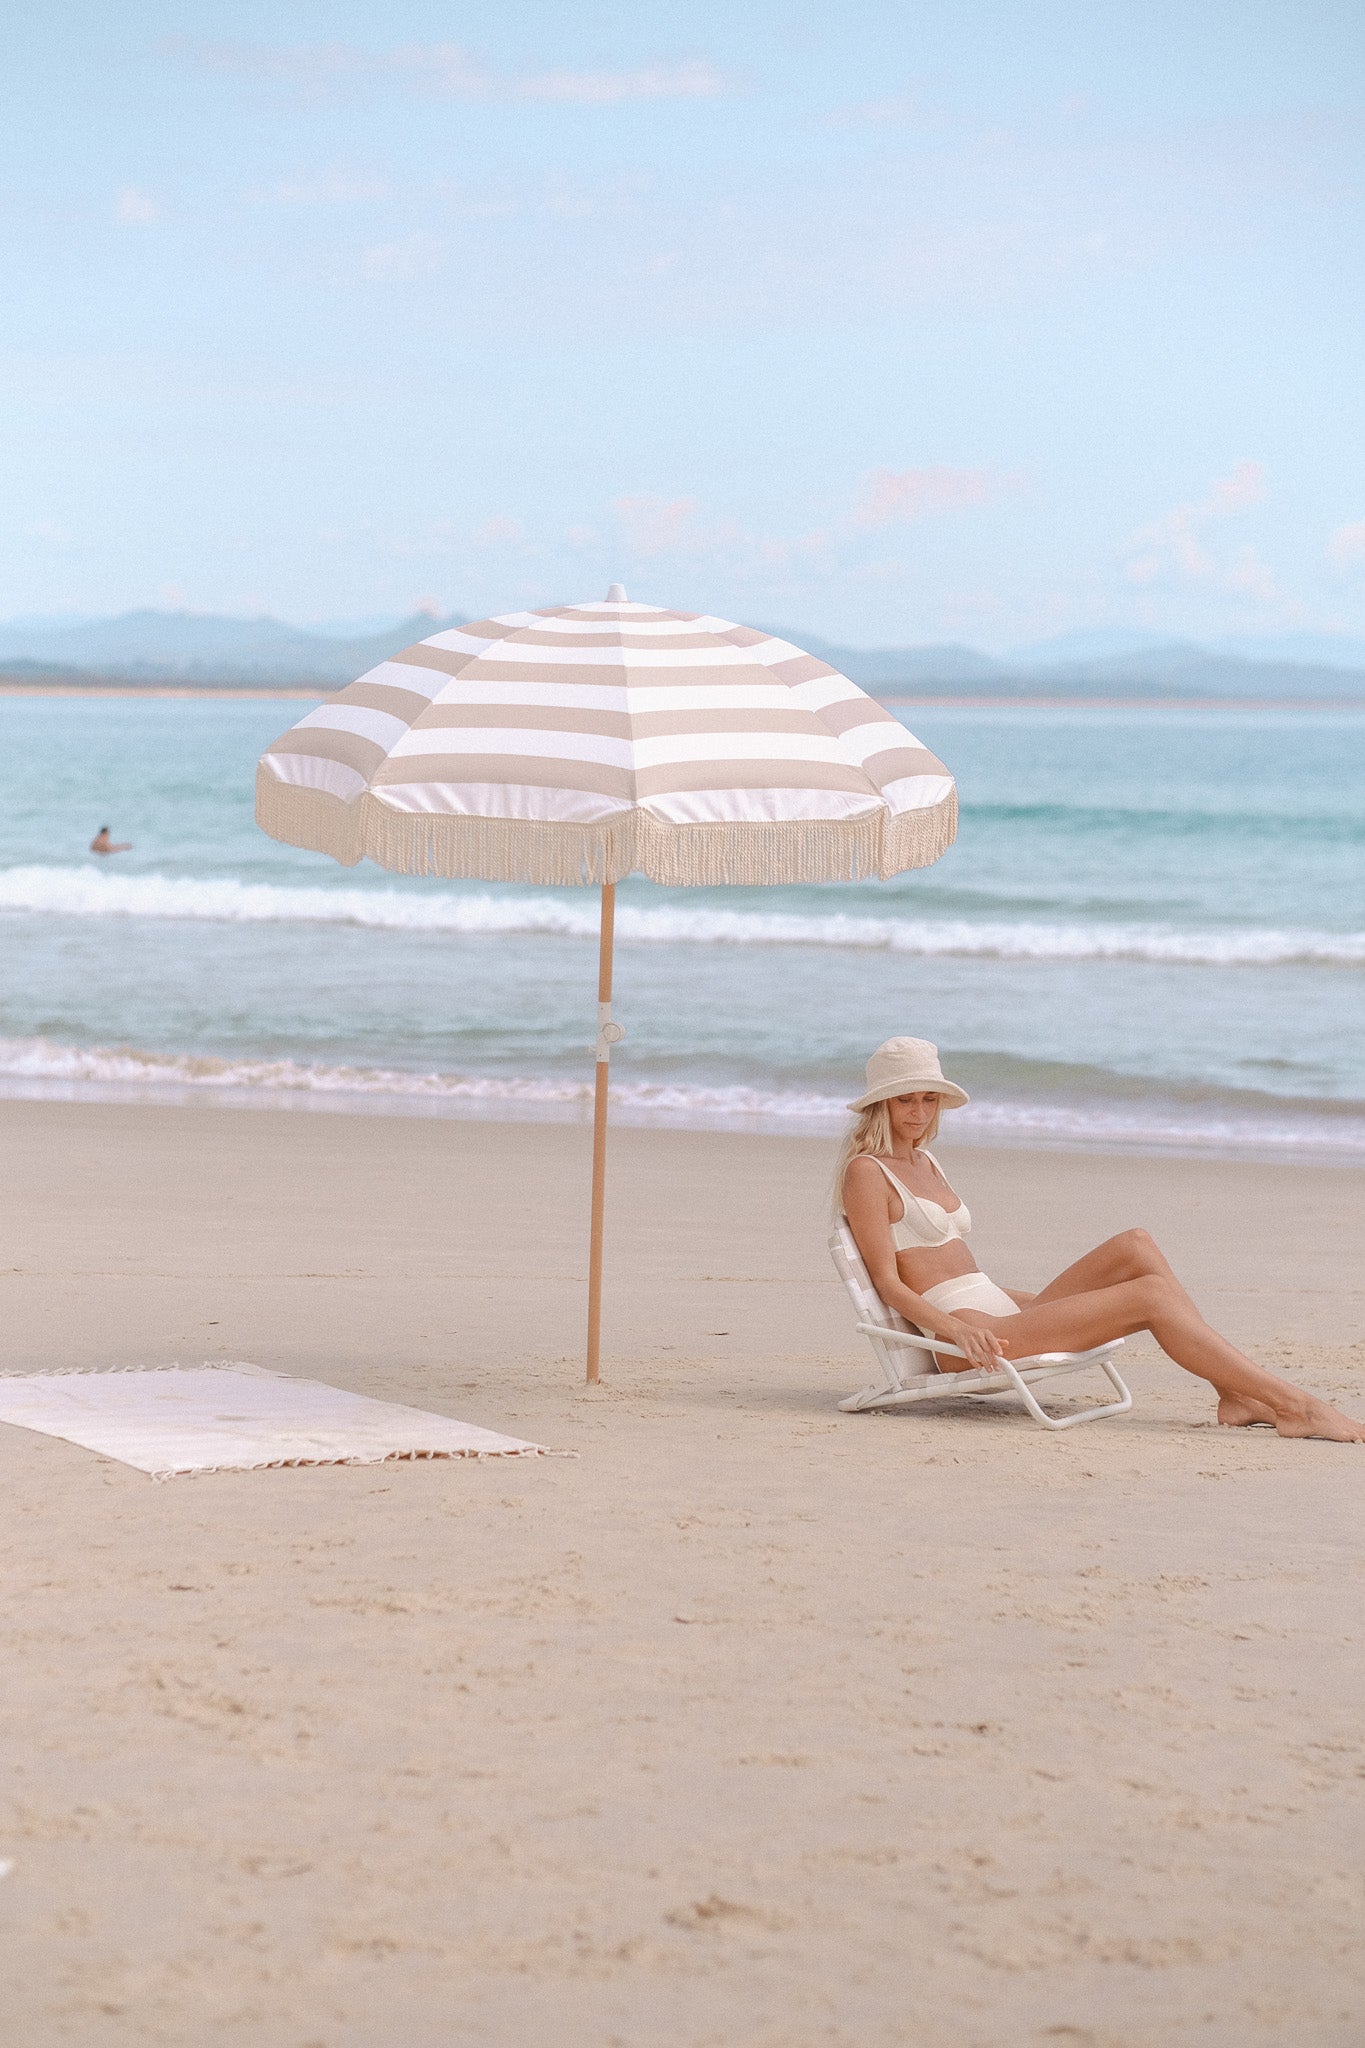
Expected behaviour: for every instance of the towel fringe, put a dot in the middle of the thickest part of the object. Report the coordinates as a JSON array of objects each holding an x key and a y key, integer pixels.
[
  {"x": 380, "y": 1458},
  {"x": 59, "y": 1372}
]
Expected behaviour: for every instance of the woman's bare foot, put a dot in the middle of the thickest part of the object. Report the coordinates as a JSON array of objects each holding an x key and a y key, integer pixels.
[
  {"x": 1235, "y": 1411},
  {"x": 1305, "y": 1417},
  {"x": 1318, "y": 1418}
]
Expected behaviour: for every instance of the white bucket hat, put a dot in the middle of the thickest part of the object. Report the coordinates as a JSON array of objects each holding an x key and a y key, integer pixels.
[{"x": 907, "y": 1066}]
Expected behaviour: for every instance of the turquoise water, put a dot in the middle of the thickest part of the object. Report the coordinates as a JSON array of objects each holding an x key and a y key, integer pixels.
[{"x": 1151, "y": 932}]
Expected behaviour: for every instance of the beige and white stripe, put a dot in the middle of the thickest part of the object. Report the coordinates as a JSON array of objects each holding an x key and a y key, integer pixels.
[{"x": 592, "y": 741}]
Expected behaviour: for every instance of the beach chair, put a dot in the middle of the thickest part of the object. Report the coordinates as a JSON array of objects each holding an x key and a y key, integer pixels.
[{"x": 898, "y": 1345}]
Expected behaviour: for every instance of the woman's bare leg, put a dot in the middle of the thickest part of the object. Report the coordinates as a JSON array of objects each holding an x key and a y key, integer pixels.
[
  {"x": 1246, "y": 1392},
  {"x": 1136, "y": 1255},
  {"x": 1132, "y": 1255}
]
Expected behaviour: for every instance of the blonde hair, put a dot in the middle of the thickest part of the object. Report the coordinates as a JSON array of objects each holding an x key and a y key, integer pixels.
[{"x": 872, "y": 1135}]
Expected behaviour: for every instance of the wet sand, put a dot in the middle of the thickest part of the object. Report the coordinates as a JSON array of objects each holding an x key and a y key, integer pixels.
[{"x": 750, "y": 1726}]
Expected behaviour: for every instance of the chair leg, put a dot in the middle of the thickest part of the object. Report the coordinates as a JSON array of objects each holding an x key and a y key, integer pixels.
[{"x": 1040, "y": 1414}]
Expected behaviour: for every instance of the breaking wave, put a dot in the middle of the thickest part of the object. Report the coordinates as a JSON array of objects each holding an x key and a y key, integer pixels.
[
  {"x": 39, "y": 1068},
  {"x": 80, "y": 892},
  {"x": 56, "y": 1068}
]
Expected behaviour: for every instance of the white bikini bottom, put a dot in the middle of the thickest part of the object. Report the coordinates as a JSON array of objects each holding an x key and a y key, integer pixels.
[{"x": 971, "y": 1290}]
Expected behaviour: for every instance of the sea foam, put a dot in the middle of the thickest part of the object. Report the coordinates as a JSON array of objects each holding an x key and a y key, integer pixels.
[
  {"x": 81, "y": 892},
  {"x": 55, "y": 1068},
  {"x": 38, "y": 1068}
]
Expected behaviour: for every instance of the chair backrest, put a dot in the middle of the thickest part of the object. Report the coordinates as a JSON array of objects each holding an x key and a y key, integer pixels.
[{"x": 848, "y": 1263}]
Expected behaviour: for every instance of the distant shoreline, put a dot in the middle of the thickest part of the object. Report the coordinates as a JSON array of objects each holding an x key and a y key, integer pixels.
[
  {"x": 1079, "y": 703},
  {"x": 11, "y": 688},
  {"x": 935, "y": 701}
]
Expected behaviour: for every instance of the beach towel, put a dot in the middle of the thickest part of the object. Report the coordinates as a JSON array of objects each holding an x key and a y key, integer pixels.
[{"x": 172, "y": 1421}]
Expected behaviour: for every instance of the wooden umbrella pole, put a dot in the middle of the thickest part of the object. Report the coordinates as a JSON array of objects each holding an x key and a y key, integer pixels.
[{"x": 608, "y": 1034}]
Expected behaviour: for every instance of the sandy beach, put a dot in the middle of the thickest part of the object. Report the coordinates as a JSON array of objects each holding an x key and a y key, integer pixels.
[{"x": 751, "y": 1725}]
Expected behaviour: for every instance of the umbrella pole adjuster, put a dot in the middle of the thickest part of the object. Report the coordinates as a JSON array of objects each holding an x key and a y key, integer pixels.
[{"x": 609, "y": 1032}]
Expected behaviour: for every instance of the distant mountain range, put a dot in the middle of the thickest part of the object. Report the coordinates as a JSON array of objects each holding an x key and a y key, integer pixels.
[
  {"x": 1105, "y": 665},
  {"x": 194, "y": 648}
]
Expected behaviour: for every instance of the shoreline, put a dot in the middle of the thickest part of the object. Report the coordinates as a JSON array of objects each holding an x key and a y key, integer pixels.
[
  {"x": 1053, "y": 703},
  {"x": 927, "y": 700},
  {"x": 1258, "y": 1139},
  {"x": 195, "y": 690}
]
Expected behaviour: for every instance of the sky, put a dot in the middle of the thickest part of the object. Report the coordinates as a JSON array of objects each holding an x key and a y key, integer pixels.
[{"x": 902, "y": 323}]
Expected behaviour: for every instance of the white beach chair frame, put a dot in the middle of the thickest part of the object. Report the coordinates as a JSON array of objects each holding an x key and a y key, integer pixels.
[{"x": 895, "y": 1343}]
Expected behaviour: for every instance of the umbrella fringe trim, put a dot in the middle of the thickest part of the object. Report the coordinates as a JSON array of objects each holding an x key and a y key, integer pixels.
[{"x": 550, "y": 853}]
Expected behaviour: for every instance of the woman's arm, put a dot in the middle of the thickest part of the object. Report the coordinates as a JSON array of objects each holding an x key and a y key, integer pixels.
[{"x": 867, "y": 1205}]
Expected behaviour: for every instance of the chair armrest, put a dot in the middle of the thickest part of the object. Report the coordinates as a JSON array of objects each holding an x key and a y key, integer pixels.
[
  {"x": 1095, "y": 1356},
  {"x": 905, "y": 1337}
]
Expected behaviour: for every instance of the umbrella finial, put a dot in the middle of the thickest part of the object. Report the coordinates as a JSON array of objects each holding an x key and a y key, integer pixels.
[{"x": 617, "y": 594}]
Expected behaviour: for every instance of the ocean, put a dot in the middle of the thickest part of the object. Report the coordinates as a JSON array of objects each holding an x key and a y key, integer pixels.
[{"x": 1150, "y": 935}]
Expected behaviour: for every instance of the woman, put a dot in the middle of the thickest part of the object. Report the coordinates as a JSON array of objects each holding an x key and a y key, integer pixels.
[{"x": 910, "y": 1226}]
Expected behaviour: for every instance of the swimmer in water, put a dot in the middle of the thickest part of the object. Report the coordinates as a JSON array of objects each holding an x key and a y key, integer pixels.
[{"x": 102, "y": 843}]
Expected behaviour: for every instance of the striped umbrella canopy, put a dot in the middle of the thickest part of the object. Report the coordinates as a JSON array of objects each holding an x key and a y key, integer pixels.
[{"x": 591, "y": 741}]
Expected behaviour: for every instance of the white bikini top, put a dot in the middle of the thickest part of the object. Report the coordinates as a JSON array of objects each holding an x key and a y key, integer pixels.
[{"x": 925, "y": 1225}]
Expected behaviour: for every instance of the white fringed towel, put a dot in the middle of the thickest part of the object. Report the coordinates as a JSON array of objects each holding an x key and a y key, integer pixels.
[{"x": 177, "y": 1420}]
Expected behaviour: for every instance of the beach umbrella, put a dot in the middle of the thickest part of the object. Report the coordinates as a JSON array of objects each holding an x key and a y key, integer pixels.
[{"x": 592, "y": 741}]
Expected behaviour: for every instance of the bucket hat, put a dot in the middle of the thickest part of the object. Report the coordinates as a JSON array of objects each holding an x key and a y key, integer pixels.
[{"x": 907, "y": 1066}]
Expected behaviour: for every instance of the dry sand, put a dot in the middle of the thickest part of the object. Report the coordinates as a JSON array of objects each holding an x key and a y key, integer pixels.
[{"x": 753, "y": 1726}]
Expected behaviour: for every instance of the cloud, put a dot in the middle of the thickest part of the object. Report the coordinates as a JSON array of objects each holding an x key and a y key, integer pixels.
[
  {"x": 1346, "y": 548},
  {"x": 696, "y": 80},
  {"x": 563, "y": 203},
  {"x": 399, "y": 262},
  {"x": 1176, "y": 547},
  {"x": 438, "y": 537},
  {"x": 330, "y": 188},
  {"x": 891, "y": 496},
  {"x": 660, "y": 526},
  {"x": 134, "y": 208},
  {"x": 448, "y": 71},
  {"x": 499, "y": 527},
  {"x": 912, "y": 108},
  {"x": 1249, "y": 576},
  {"x": 1244, "y": 487},
  {"x": 655, "y": 527}
]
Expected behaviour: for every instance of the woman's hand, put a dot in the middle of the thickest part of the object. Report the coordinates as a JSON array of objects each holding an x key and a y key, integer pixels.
[{"x": 983, "y": 1348}]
